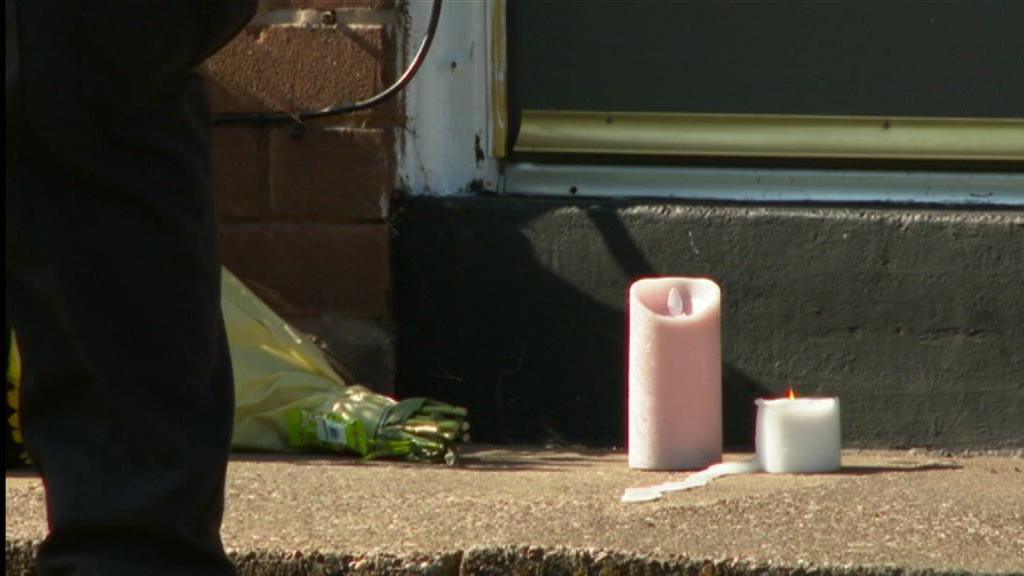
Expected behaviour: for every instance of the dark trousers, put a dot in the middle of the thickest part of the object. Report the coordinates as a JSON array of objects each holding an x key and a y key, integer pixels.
[{"x": 112, "y": 280}]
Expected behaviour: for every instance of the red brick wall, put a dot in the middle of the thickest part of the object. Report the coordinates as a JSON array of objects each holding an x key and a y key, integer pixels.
[{"x": 304, "y": 217}]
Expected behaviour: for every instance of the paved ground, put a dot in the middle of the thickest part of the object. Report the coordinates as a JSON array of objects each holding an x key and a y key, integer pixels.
[{"x": 558, "y": 511}]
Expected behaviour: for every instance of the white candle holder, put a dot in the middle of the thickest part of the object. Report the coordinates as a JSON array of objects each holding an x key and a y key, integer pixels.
[{"x": 798, "y": 435}]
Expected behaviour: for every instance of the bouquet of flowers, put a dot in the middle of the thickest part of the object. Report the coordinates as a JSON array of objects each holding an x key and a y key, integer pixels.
[{"x": 290, "y": 396}]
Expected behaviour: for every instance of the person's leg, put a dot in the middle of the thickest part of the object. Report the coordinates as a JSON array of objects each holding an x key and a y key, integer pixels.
[
  {"x": 133, "y": 486},
  {"x": 113, "y": 287},
  {"x": 126, "y": 492},
  {"x": 127, "y": 396}
]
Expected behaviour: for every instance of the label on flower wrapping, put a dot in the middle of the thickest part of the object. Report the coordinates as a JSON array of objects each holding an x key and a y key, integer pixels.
[
  {"x": 309, "y": 429},
  {"x": 330, "y": 432}
]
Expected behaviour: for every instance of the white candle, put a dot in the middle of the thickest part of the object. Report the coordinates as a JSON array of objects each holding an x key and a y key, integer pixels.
[
  {"x": 675, "y": 374},
  {"x": 798, "y": 435}
]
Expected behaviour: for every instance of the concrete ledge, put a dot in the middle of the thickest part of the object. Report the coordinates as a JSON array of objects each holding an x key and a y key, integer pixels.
[
  {"x": 515, "y": 307},
  {"x": 546, "y": 511},
  {"x": 524, "y": 560}
]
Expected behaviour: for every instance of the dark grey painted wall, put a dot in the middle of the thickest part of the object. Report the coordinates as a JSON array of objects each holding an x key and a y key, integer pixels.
[{"x": 914, "y": 318}]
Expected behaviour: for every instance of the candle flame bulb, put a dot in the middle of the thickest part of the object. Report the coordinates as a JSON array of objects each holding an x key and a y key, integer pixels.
[
  {"x": 675, "y": 303},
  {"x": 792, "y": 393}
]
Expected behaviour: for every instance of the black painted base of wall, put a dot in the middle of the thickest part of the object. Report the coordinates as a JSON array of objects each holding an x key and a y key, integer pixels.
[{"x": 915, "y": 318}]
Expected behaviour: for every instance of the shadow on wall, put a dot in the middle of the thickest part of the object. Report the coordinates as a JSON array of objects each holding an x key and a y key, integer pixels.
[
  {"x": 518, "y": 311},
  {"x": 516, "y": 307}
]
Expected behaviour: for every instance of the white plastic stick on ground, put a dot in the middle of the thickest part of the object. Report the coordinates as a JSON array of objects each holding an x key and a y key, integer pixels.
[{"x": 705, "y": 476}]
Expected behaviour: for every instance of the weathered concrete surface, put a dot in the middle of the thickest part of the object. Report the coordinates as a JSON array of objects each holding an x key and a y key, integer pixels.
[
  {"x": 913, "y": 317},
  {"x": 533, "y": 511}
]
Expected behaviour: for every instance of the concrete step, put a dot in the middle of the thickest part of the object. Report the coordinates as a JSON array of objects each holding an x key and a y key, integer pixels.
[
  {"x": 516, "y": 308},
  {"x": 557, "y": 511}
]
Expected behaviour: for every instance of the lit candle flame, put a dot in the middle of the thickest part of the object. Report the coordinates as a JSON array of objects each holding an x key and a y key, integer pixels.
[{"x": 792, "y": 393}]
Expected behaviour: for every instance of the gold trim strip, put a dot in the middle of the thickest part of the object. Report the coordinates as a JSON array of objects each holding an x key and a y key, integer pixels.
[
  {"x": 674, "y": 134},
  {"x": 499, "y": 99},
  {"x": 499, "y": 104}
]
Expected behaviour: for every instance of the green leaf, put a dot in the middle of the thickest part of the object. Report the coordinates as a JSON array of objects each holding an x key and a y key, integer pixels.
[{"x": 403, "y": 411}]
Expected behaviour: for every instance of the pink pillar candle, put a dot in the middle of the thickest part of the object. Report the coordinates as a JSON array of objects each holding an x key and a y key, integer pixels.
[{"x": 675, "y": 373}]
